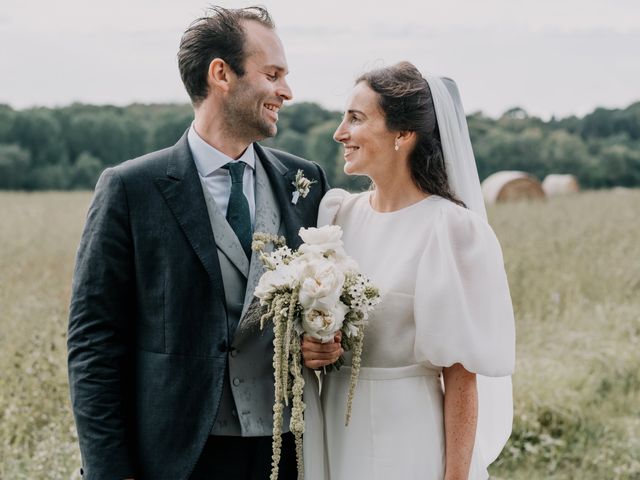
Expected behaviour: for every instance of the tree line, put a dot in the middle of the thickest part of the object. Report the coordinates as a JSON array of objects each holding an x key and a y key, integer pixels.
[{"x": 67, "y": 147}]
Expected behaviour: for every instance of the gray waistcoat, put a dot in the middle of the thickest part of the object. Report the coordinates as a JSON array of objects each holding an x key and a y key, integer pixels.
[{"x": 247, "y": 396}]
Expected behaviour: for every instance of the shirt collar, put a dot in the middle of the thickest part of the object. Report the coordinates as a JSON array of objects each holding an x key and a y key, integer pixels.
[{"x": 208, "y": 159}]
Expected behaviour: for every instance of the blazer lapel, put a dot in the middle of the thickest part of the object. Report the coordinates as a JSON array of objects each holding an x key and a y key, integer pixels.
[
  {"x": 183, "y": 193},
  {"x": 267, "y": 221},
  {"x": 281, "y": 180}
]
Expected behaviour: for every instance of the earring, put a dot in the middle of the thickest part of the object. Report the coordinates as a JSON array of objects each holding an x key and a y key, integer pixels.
[{"x": 397, "y": 147}]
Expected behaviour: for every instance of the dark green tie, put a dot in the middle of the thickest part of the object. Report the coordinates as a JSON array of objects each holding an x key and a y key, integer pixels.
[{"x": 238, "y": 214}]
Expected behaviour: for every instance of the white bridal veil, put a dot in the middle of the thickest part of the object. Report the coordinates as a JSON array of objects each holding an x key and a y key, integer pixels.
[{"x": 495, "y": 402}]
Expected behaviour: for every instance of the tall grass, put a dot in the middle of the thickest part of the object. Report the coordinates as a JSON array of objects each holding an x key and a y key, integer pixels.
[
  {"x": 574, "y": 272},
  {"x": 38, "y": 236}
]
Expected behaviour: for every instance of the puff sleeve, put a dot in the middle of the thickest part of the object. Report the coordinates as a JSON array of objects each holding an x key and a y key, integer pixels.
[
  {"x": 462, "y": 306},
  {"x": 330, "y": 206},
  {"x": 463, "y": 314}
]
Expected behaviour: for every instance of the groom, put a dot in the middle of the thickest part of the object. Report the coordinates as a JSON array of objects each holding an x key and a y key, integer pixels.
[{"x": 170, "y": 379}]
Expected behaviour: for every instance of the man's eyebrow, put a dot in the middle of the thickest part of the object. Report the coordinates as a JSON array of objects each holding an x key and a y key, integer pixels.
[
  {"x": 356, "y": 111},
  {"x": 279, "y": 68}
]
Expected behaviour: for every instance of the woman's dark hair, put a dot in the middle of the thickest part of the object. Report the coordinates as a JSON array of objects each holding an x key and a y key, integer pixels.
[
  {"x": 407, "y": 104},
  {"x": 219, "y": 34}
]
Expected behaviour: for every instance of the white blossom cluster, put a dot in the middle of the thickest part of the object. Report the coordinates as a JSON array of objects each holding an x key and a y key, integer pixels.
[
  {"x": 279, "y": 257},
  {"x": 362, "y": 294}
]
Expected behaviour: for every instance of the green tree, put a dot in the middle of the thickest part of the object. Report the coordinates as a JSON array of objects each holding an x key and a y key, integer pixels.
[
  {"x": 7, "y": 117},
  {"x": 503, "y": 150},
  {"x": 85, "y": 171},
  {"x": 106, "y": 134},
  {"x": 597, "y": 124},
  {"x": 49, "y": 177},
  {"x": 629, "y": 121},
  {"x": 563, "y": 152},
  {"x": 323, "y": 149},
  {"x": 169, "y": 127},
  {"x": 303, "y": 116},
  {"x": 619, "y": 165},
  {"x": 600, "y": 148},
  {"x": 14, "y": 166},
  {"x": 39, "y": 131},
  {"x": 517, "y": 120},
  {"x": 479, "y": 126},
  {"x": 292, "y": 142}
]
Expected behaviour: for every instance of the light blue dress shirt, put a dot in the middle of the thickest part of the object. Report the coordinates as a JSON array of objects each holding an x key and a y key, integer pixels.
[{"x": 209, "y": 162}]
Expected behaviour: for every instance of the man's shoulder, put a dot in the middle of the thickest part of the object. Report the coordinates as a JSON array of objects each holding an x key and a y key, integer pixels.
[{"x": 150, "y": 164}]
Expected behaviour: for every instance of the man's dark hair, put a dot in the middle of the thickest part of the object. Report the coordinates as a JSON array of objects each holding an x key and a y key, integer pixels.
[{"x": 219, "y": 34}]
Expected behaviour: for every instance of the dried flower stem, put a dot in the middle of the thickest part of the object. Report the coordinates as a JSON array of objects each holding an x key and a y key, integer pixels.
[
  {"x": 289, "y": 326},
  {"x": 355, "y": 372},
  {"x": 278, "y": 407},
  {"x": 286, "y": 360},
  {"x": 297, "y": 410}
]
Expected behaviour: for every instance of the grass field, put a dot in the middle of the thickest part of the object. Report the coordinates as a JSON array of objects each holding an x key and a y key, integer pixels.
[{"x": 574, "y": 271}]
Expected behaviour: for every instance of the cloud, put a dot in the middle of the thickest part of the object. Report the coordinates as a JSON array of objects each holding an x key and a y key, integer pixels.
[{"x": 550, "y": 57}]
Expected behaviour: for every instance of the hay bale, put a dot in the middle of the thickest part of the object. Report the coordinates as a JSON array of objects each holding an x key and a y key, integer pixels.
[
  {"x": 556, "y": 184},
  {"x": 507, "y": 186}
]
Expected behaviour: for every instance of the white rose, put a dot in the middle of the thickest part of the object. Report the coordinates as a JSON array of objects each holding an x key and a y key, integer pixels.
[
  {"x": 321, "y": 282},
  {"x": 321, "y": 240},
  {"x": 285, "y": 276},
  {"x": 323, "y": 325}
]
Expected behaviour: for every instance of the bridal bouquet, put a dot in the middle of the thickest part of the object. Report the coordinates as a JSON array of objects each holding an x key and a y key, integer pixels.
[{"x": 316, "y": 290}]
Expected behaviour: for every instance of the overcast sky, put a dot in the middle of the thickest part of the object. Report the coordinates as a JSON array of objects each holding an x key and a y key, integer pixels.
[{"x": 551, "y": 57}]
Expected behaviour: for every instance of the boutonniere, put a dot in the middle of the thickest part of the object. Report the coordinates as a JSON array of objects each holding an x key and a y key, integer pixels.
[{"x": 302, "y": 187}]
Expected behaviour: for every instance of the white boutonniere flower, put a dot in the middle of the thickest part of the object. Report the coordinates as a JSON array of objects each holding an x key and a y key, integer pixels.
[{"x": 302, "y": 187}]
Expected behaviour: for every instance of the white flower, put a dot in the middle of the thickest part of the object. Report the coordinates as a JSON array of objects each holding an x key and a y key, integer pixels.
[
  {"x": 327, "y": 241},
  {"x": 321, "y": 282},
  {"x": 323, "y": 325},
  {"x": 284, "y": 277},
  {"x": 321, "y": 240}
]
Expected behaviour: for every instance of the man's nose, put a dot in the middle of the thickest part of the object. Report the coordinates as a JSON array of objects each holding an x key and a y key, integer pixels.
[{"x": 284, "y": 91}]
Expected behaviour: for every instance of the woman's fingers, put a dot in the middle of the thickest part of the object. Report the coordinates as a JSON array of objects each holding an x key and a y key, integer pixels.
[{"x": 317, "y": 354}]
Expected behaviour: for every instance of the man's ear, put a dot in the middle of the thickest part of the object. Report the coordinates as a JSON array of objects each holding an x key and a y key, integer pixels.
[{"x": 219, "y": 75}]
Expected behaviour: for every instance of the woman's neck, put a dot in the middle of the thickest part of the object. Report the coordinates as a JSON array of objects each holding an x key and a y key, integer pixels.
[{"x": 394, "y": 193}]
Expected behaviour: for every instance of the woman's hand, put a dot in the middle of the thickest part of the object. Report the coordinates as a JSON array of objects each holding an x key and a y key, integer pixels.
[
  {"x": 317, "y": 354},
  {"x": 460, "y": 419}
]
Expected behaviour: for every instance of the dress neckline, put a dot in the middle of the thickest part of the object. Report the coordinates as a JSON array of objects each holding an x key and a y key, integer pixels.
[{"x": 367, "y": 201}]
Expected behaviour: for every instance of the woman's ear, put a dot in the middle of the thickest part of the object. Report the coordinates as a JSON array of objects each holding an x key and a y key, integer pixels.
[{"x": 405, "y": 140}]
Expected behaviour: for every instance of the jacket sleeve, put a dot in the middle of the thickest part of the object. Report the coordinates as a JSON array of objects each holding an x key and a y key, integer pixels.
[{"x": 100, "y": 334}]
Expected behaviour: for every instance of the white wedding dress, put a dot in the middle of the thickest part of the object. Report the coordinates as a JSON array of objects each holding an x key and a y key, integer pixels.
[{"x": 445, "y": 300}]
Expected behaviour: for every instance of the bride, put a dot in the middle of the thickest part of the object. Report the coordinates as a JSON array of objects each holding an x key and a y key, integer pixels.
[{"x": 434, "y": 396}]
